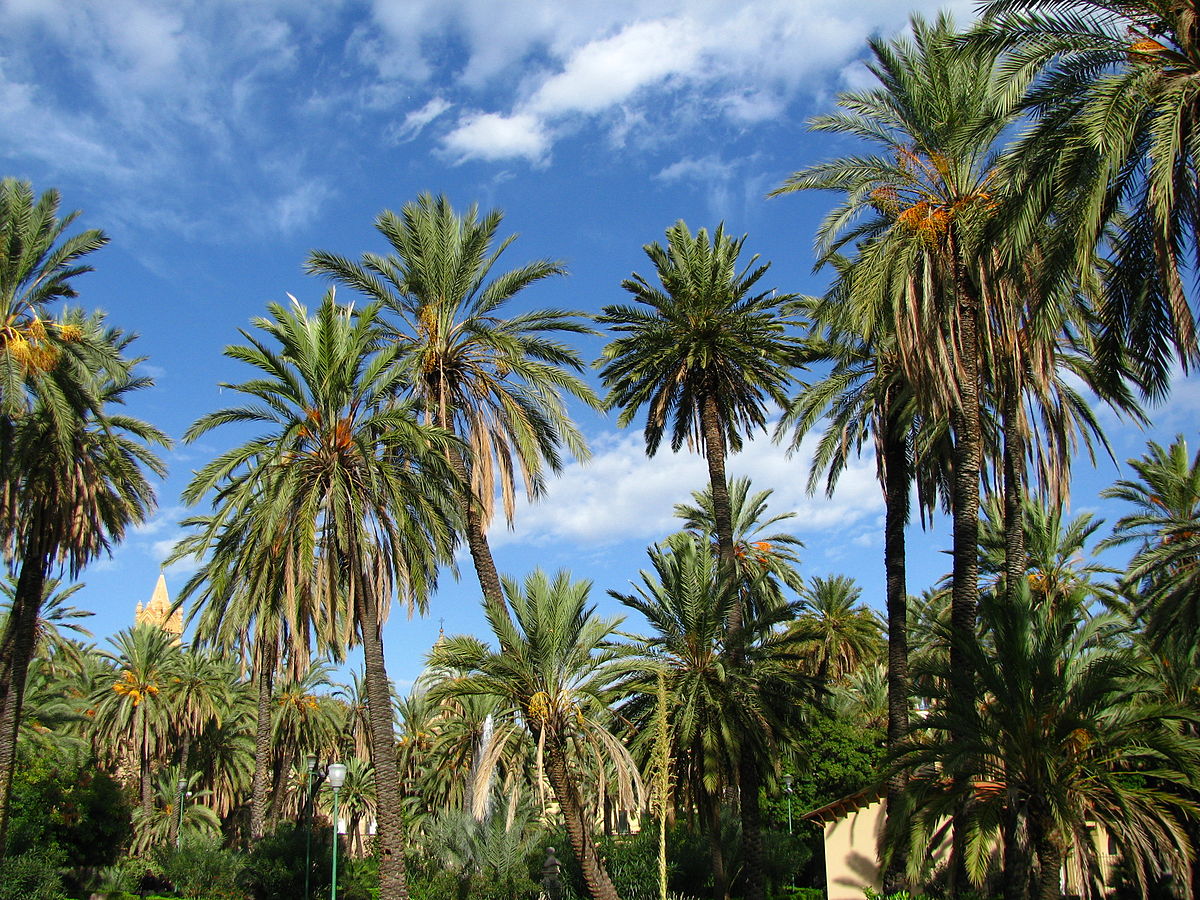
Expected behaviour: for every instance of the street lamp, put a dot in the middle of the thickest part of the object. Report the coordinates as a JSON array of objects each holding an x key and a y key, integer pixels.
[
  {"x": 182, "y": 786},
  {"x": 787, "y": 786},
  {"x": 309, "y": 772},
  {"x": 336, "y": 773}
]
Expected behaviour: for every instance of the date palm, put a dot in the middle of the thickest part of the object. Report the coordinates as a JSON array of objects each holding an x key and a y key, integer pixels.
[
  {"x": 496, "y": 380},
  {"x": 703, "y": 354},
  {"x": 1116, "y": 95},
  {"x": 38, "y": 263},
  {"x": 1067, "y": 732},
  {"x": 735, "y": 706},
  {"x": 73, "y": 482},
  {"x": 557, "y": 674},
  {"x": 916, "y": 212},
  {"x": 354, "y": 487},
  {"x": 132, "y": 706},
  {"x": 241, "y": 604},
  {"x": 838, "y": 633},
  {"x": 1164, "y": 573}
]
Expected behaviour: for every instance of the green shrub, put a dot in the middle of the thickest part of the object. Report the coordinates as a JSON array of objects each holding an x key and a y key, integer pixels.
[
  {"x": 274, "y": 869},
  {"x": 32, "y": 876},
  {"x": 61, "y": 801},
  {"x": 200, "y": 869}
]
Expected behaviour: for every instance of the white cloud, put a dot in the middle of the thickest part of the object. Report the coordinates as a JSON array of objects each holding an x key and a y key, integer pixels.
[
  {"x": 490, "y": 136},
  {"x": 606, "y": 72},
  {"x": 414, "y": 123},
  {"x": 622, "y": 494}
]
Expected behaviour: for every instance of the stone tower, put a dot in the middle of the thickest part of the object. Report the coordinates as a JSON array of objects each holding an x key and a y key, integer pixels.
[{"x": 157, "y": 612}]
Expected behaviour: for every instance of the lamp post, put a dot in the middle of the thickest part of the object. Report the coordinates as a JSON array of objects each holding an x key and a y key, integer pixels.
[
  {"x": 787, "y": 786},
  {"x": 309, "y": 772},
  {"x": 336, "y": 774},
  {"x": 182, "y": 786}
]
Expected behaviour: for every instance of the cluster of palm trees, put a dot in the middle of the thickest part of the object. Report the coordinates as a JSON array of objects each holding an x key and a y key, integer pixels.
[{"x": 1010, "y": 251}]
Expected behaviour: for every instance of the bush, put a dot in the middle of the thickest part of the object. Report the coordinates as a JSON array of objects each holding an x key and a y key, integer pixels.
[
  {"x": 62, "y": 802},
  {"x": 32, "y": 876},
  {"x": 274, "y": 869},
  {"x": 200, "y": 868}
]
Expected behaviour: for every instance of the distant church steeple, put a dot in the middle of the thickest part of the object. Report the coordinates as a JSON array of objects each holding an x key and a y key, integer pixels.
[{"x": 157, "y": 611}]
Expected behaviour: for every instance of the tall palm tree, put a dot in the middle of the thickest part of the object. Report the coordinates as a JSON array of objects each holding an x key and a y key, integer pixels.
[
  {"x": 38, "y": 263},
  {"x": 1116, "y": 98},
  {"x": 865, "y": 397},
  {"x": 766, "y": 562},
  {"x": 557, "y": 672},
  {"x": 916, "y": 212},
  {"x": 243, "y": 604},
  {"x": 729, "y": 717},
  {"x": 1164, "y": 573},
  {"x": 1066, "y": 732},
  {"x": 73, "y": 482},
  {"x": 702, "y": 353},
  {"x": 354, "y": 488},
  {"x": 838, "y": 632},
  {"x": 132, "y": 707},
  {"x": 497, "y": 382},
  {"x": 200, "y": 692}
]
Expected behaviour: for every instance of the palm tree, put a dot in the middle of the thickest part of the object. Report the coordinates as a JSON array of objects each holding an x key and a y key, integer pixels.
[
  {"x": 865, "y": 397},
  {"x": 1116, "y": 99},
  {"x": 242, "y": 604},
  {"x": 916, "y": 213},
  {"x": 557, "y": 672},
  {"x": 38, "y": 262},
  {"x": 200, "y": 692},
  {"x": 132, "y": 707},
  {"x": 55, "y": 618},
  {"x": 838, "y": 633},
  {"x": 1067, "y": 733},
  {"x": 355, "y": 490},
  {"x": 703, "y": 354},
  {"x": 1164, "y": 573},
  {"x": 73, "y": 482},
  {"x": 498, "y": 383},
  {"x": 766, "y": 562},
  {"x": 729, "y": 717}
]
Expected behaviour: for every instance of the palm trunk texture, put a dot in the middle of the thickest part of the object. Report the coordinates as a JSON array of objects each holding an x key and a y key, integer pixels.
[
  {"x": 968, "y": 453},
  {"x": 595, "y": 877},
  {"x": 259, "y": 786},
  {"x": 390, "y": 828},
  {"x": 1015, "y": 562},
  {"x": 16, "y": 651},
  {"x": 895, "y": 497},
  {"x": 752, "y": 849}
]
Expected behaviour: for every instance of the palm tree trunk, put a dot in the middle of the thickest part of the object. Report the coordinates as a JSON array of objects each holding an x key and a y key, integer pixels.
[
  {"x": 752, "y": 855},
  {"x": 579, "y": 832},
  {"x": 476, "y": 528},
  {"x": 718, "y": 485},
  {"x": 259, "y": 787},
  {"x": 147, "y": 790},
  {"x": 184, "y": 754},
  {"x": 279, "y": 788},
  {"x": 711, "y": 810},
  {"x": 896, "y": 480},
  {"x": 1015, "y": 562},
  {"x": 1050, "y": 862},
  {"x": 17, "y": 647},
  {"x": 390, "y": 829},
  {"x": 968, "y": 455},
  {"x": 1017, "y": 861}
]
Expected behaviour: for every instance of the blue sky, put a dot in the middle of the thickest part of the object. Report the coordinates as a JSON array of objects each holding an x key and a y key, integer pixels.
[{"x": 218, "y": 142}]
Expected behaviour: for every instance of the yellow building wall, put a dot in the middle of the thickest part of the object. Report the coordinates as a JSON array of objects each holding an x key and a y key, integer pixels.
[{"x": 851, "y": 843}]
